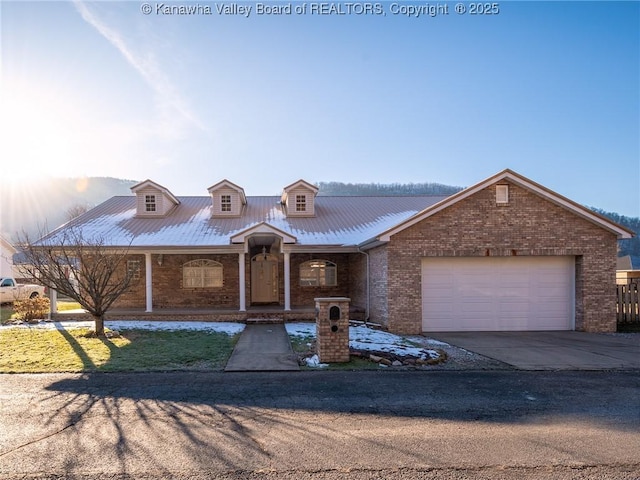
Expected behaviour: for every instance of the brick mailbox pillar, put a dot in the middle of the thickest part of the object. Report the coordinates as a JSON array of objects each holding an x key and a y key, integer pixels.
[{"x": 332, "y": 329}]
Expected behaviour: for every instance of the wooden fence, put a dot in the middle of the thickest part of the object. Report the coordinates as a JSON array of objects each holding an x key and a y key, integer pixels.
[{"x": 628, "y": 311}]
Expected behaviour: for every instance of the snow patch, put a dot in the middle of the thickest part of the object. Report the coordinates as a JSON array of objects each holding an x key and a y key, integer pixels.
[
  {"x": 230, "y": 328},
  {"x": 364, "y": 338},
  {"x": 301, "y": 329},
  {"x": 314, "y": 362}
]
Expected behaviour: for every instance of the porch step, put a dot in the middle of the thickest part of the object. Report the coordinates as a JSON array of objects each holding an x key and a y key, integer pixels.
[{"x": 265, "y": 319}]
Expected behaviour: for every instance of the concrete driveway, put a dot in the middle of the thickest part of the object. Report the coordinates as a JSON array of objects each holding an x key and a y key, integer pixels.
[{"x": 552, "y": 350}]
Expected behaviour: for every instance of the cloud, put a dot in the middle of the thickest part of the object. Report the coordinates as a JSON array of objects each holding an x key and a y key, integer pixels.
[{"x": 175, "y": 117}]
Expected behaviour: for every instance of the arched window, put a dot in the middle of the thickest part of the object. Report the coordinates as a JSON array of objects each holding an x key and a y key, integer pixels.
[
  {"x": 202, "y": 274},
  {"x": 319, "y": 273}
]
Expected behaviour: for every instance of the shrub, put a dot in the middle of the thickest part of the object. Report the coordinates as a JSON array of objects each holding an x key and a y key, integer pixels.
[{"x": 31, "y": 309}]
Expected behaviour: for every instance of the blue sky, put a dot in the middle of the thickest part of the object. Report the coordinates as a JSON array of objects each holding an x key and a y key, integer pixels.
[{"x": 548, "y": 89}]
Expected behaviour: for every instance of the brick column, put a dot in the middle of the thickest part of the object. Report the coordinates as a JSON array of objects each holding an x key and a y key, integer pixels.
[{"x": 332, "y": 329}]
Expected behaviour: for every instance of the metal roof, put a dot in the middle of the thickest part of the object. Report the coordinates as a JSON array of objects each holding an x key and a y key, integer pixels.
[{"x": 338, "y": 221}]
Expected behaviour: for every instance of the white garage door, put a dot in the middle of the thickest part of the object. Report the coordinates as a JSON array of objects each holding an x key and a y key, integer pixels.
[{"x": 497, "y": 293}]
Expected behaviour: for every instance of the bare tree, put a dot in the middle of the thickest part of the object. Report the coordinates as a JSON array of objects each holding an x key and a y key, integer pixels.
[
  {"x": 84, "y": 269},
  {"x": 76, "y": 210}
]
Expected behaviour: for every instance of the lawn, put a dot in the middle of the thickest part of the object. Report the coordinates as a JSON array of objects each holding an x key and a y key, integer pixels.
[
  {"x": 67, "y": 305},
  {"x": 30, "y": 350},
  {"x": 50, "y": 347},
  {"x": 6, "y": 310}
]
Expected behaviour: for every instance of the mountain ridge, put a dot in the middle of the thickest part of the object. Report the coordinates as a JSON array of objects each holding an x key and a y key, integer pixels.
[{"x": 34, "y": 207}]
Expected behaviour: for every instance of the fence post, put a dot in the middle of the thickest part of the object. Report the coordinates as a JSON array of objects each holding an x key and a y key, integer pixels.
[{"x": 627, "y": 300}]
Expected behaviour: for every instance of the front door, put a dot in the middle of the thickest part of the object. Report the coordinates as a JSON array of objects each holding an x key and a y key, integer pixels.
[{"x": 264, "y": 279}]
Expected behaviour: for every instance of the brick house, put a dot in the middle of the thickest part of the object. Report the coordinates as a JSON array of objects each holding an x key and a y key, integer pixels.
[{"x": 504, "y": 254}]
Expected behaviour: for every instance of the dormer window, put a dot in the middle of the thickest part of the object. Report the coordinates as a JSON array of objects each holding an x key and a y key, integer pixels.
[
  {"x": 301, "y": 203},
  {"x": 149, "y": 203},
  {"x": 225, "y": 203},
  {"x": 153, "y": 200},
  {"x": 227, "y": 199},
  {"x": 299, "y": 199}
]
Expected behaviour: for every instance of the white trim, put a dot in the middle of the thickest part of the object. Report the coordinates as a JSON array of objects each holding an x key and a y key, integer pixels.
[
  {"x": 6, "y": 245},
  {"x": 301, "y": 183},
  {"x": 53, "y": 302},
  {"x": 242, "y": 281},
  {"x": 227, "y": 249},
  {"x": 262, "y": 227},
  {"x": 148, "y": 282},
  {"x": 287, "y": 281},
  {"x": 320, "y": 249},
  {"x": 233, "y": 186},
  {"x": 157, "y": 186}
]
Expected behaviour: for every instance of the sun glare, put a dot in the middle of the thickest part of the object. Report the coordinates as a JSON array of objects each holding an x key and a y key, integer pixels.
[{"x": 37, "y": 134}]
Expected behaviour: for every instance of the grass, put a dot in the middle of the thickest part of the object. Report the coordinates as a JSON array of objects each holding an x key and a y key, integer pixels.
[
  {"x": 75, "y": 350},
  {"x": 303, "y": 345},
  {"x": 6, "y": 310},
  {"x": 64, "y": 306},
  {"x": 354, "y": 364},
  {"x": 32, "y": 350}
]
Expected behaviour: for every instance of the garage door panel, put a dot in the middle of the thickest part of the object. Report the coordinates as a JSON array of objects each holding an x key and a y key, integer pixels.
[
  {"x": 498, "y": 293},
  {"x": 477, "y": 307},
  {"x": 507, "y": 279},
  {"x": 440, "y": 311},
  {"x": 550, "y": 292},
  {"x": 513, "y": 309},
  {"x": 517, "y": 292}
]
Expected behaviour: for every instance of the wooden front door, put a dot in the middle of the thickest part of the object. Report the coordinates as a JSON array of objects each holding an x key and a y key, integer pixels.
[{"x": 264, "y": 279}]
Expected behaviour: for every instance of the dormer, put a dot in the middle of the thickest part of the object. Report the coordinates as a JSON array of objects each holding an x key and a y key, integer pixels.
[
  {"x": 153, "y": 200},
  {"x": 228, "y": 199},
  {"x": 299, "y": 199}
]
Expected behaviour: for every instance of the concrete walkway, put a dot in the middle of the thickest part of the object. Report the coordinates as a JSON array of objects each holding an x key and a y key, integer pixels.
[
  {"x": 551, "y": 350},
  {"x": 263, "y": 347}
]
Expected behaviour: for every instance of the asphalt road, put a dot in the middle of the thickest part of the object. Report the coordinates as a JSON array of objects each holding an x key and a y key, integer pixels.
[{"x": 322, "y": 425}]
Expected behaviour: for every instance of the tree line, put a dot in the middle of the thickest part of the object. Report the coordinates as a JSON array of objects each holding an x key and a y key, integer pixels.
[
  {"x": 629, "y": 246},
  {"x": 385, "y": 189}
]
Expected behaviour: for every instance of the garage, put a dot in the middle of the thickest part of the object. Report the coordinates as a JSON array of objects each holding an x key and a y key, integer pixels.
[{"x": 498, "y": 293}]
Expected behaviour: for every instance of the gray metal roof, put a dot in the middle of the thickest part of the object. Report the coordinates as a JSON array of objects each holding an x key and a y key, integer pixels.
[{"x": 338, "y": 221}]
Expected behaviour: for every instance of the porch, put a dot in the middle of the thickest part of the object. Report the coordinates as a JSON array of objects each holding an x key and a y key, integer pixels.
[{"x": 272, "y": 313}]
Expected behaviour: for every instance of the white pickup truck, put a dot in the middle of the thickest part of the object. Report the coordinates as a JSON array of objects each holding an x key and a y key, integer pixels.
[{"x": 10, "y": 291}]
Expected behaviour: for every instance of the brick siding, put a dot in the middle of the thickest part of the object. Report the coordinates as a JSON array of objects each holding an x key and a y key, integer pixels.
[
  {"x": 378, "y": 285},
  {"x": 168, "y": 290},
  {"x": 477, "y": 226},
  {"x": 528, "y": 225},
  {"x": 303, "y": 296},
  {"x": 357, "y": 290}
]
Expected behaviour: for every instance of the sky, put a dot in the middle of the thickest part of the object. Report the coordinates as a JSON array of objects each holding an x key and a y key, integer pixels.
[{"x": 548, "y": 89}]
